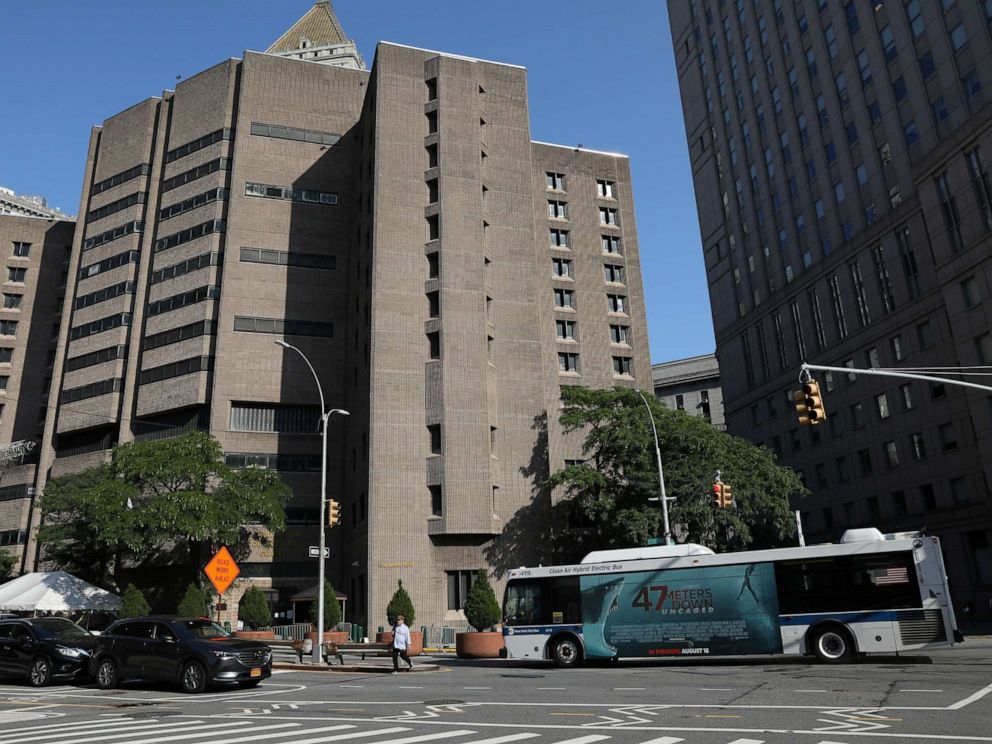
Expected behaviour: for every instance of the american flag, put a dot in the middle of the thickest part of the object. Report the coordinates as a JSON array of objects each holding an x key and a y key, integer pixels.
[{"x": 889, "y": 576}]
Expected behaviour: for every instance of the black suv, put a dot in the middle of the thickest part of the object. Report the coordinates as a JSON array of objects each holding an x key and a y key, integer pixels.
[
  {"x": 44, "y": 648},
  {"x": 191, "y": 651}
]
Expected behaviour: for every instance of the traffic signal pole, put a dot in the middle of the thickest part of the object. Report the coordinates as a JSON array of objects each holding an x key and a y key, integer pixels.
[{"x": 884, "y": 372}]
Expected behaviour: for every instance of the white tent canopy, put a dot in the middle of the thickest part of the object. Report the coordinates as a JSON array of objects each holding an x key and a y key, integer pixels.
[{"x": 56, "y": 591}]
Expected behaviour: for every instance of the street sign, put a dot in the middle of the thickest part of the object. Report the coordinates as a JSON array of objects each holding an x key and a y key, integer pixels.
[
  {"x": 222, "y": 570},
  {"x": 315, "y": 552}
]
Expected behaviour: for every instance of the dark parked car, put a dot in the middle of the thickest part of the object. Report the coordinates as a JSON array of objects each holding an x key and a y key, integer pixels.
[
  {"x": 194, "y": 652},
  {"x": 44, "y": 649}
]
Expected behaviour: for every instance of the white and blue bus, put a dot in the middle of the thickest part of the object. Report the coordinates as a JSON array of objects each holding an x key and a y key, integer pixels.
[{"x": 870, "y": 593}]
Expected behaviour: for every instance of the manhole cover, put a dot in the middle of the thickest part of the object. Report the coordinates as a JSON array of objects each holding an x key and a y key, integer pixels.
[{"x": 444, "y": 702}]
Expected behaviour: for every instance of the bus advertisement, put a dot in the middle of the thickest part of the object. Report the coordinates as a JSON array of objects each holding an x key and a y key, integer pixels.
[{"x": 871, "y": 593}]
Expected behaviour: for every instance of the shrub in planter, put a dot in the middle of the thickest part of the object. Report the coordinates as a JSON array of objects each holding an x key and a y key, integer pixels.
[
  {"x": 253, "y": 609},
  {"x": 133, "y": 603},
  {"x": 332, "y": 609},
  {"x": 400, "y": 604},
  {"x": 483, "y": 612},
  {"x": 193, "y": 604}
]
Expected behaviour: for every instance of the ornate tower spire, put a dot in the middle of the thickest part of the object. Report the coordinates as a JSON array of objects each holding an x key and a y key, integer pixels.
[{"x": 318, "y": 37}]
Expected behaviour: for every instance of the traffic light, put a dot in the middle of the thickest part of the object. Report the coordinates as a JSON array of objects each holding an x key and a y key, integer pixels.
[
  {"x": 809, "y": 404},
  {"x": 333, "y": 513},
  {"x": 722, "y": 496}
]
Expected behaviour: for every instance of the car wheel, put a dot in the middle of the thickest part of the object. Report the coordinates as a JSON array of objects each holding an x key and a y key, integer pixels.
[
  {"x": 40, "y": 673},
  {"x": 194, "y": 677},
  {"x": 566, "y": 652},
  {"x": 106, "y": 674},
  {"x": 832, "y": 645}
]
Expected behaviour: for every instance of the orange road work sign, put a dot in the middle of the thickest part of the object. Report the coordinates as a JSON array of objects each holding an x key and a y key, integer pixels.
[{"x": 222, "y": 570}]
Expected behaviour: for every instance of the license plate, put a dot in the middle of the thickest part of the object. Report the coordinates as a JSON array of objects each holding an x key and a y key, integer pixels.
[{"x": 255, "y": 673}]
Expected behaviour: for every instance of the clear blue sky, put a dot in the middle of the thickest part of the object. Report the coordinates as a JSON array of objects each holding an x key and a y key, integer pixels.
[{"x": 599, "y": 73}]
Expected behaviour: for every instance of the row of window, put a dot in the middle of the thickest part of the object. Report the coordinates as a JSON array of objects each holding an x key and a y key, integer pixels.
[
  {"x": 189, "y": 234},
  {"x": 12, "y": 493},
  {"x": 281, "y": 462},
  {"x": 102, "y": 295},
  {"x": 176, "y": 369},
  {"x": 194, "y": 202},
  {"x": 273, "y": 418},
  {"x": 116, "y": 180},
  {"x": 198, "y": 144},
  {"x": 567, "y": 330},
  {"x": 136, "y": 226},
  {"x": 289, "y": 258},
  {"x": 604, "y": 189},
  {"x": 562, "y": 239},
  {"x": 183, "y": 299},
  {"x": 898, "y": 505},
  {"x": 95, "y": 357},
  {"x": 283, "y": 327},
  {"x": 194, "y": 173},
  {"x": 121, "y": 259},
  {"x": 185, "y": 267},
  {"x": 13, "y": 537},
  {"x": 569, "y": 362},
  {"x": 99, "y": 326},
  {"x": 92, "y": 390},
  {"x": 562, "y": 268},
  {"x": 608, "y": 217},
  {"x": 116, "y": 206},
  {"x": 175, "y": 335},
  {"x": 292, "y": 133},
  {"x": 565, "y": 300},
  {"x": 288, "y": 193}
]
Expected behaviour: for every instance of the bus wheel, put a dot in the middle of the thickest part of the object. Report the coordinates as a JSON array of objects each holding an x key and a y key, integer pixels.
[
  {"x": 832, "y": 645},
  {"x": 565, "y": 652}
]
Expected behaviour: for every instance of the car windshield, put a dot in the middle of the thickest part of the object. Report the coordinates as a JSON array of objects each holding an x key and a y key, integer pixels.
[
  {"x": 59, "y": 629},
  {"x": 204, "y": 628}
]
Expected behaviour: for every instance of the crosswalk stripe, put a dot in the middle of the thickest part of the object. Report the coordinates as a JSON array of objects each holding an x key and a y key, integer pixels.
[
  {"x": 747, "y": 741},
  {"x": 72, "y": 726},
  {"x": 664, "y": 740},
  {"x": 408, "y": 739},
  {"x": 584, "y": 739},
  {"x": 253, "y": 735},
  {"x": 502, "y": 739},
  {"x": 317, "y": 740},
  {"x": 70, "y": 737}
]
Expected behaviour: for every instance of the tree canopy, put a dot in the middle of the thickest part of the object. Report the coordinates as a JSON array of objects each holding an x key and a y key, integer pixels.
[
  {"x": 332, "y": 608},
  {"x": 606, "y": 502},
  {"x": 153, "y": 497}
]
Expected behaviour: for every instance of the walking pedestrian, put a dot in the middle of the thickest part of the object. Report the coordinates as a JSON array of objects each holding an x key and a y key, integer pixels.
[{"x": 401, "y": 643}]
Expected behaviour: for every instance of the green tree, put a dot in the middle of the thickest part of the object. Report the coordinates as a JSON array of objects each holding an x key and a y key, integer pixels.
[
  {"x": 606, "y": 497},
  {"x": 481, "y": 607},
  {"x": 253, "y": 609},
  {"x": 193, "y": 604},
  {"x": 400, "y": 604},
  {"x": 7, "y": 563},
  {"x": 133, "y": 603},
  {"x": 152, "y": 497},
  {"x": 332, "y": 608}
]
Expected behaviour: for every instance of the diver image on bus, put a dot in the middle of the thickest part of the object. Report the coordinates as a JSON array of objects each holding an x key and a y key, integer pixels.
[{"x": 871, "y": 593}]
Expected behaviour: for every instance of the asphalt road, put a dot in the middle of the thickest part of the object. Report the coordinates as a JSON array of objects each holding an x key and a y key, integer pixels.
[{"x": 943, "y": 697}]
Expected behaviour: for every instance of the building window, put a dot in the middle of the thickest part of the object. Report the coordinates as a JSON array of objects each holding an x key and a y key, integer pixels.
[
  {"x": 888, "y": 43},
  {"x": 564, "y": 298},
  {"x": 565, "y": 330},
  {"x": 22, "y": 250},
  {"x": 970, "y": 292},
  {"x": 948, "y": 439},
  {"x": 616, "y": 303},
  {"x": 892, "y": 454},
  {"x": 971, "y": 85},
  {"x": 434, "y": 345},
  {"x": 561, "y": 267},
  {"x": 605, "y": 189},
  {"x": 858, "y": 418},
  {"x": 613, "y": 273},
  {"x": 949, "y": 207},
  {"x": 906, "y": 395},
  {"x": 556, "y": 181},
  {"x": 917, "y": 447},
  {"x": 783, "y": 360},
  {"x": 864, "y": 462},
  {"x": 915, "y": 18},
  {"x": 959, "y": 37},
  {"x": 607, "y": 216},
  {"x": 12, "y": 301},
  {"x": 568, "y": 362},
  {"x": 983, "y": 347},
  {"x": 864, "y": 316},
  {"x": 6, "y": 355},
  {"x": 882, "y": 406},
  {"x": 559, "y": 238},
  {"x": 983, "y": 185},
  {"x": 15, "y": 274},
  {"x": 621, "y": 365},
  {"x": 558, "y": 210},
  {"x": 680, "y": 402},
  {"x": 798, "y": 328},
  {"x": 619, "y": 334},
  {"x": 911, "y": 132},
  {"x": 459, "y": 582},
  {"x": 835, "y": 296},
  {"x": 434, "y": 433},
  {"x": 909, "y": 266},
  {"x": 8, "y": 327},
  {"x": 611, "y": 244},
  {"x": 924, "y": 333},
  {"x": 437, "y": 508}
]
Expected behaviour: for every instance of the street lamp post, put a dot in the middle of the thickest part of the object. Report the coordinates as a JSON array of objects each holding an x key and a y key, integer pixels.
[
  {"x": 661, "y": 474},
  {"x": 324, "y": 416}
]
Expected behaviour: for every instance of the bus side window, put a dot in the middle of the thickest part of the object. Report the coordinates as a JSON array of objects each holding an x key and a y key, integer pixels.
[
  {"x": 523, "y": 603},
  {"x": 566, "y": 599}
]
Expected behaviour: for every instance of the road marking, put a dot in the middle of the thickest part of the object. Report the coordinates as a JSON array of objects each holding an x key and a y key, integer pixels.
[
  {"x": 550, "y": 688},
  {"x": 718, "y": 715},
  {"x": 584, "y": 739},
  {"x": 312, "y": 740},
  {"x": 971, "y": 698},
  {"x": 920, "y": 690},
  {"x": 502, "y": 739},
  {"x": 801, "y": 691},
  {"x": 477, "y": 688},
  {"x": 152, "y": 728},
  {"x": 359, "y": 687},
  {"x": 747, "y": 741},
  {"x": 406, "y": 687},
  {"x": 406, "y": 740},
  {"x": 572, "y": 714},
  {"x": 717, "y": 689},
  {"x": 74, "y": 727},
  {"x": 664, "y": 740},
  {"x": 629, "y": 688}
]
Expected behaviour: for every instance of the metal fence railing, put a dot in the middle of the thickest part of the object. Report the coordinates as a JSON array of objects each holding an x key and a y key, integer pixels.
[
  {"x": 441, "y": 636},
  {"x": 294, "y": 632}
]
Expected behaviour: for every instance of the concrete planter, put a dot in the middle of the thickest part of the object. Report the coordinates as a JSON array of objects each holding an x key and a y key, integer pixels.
[
  {"x": 416, "y": 641},
  {"x": 255, "y": 635},
  {"x": 330, "y": 636},
  {"x": 478, "y": 645}
]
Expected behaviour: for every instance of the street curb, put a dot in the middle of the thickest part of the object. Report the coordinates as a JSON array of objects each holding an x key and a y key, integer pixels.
[{"x": 351, "y": 668}]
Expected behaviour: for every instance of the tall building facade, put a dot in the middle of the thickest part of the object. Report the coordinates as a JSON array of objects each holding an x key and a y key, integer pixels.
[
  {"x": 35, "y": 255},
  {"x": 691, "y": 385},
  {"x": 444, "y": 274},
  {"x": 841, "y": 154}
]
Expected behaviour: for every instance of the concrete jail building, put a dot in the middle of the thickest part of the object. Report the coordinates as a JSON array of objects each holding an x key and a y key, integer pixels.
[{"x": 444, "y": 273}]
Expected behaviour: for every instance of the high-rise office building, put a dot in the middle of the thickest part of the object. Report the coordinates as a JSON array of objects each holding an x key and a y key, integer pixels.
[
  {"x": 444, "y": 273},
  {"x": 691, "y": 385},
  {"x": 35, "y": 254},
  {"x": 841, "y": 155}
]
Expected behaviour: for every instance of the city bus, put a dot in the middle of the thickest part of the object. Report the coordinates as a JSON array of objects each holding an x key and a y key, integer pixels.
[{"x": 869, "y": 593}]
